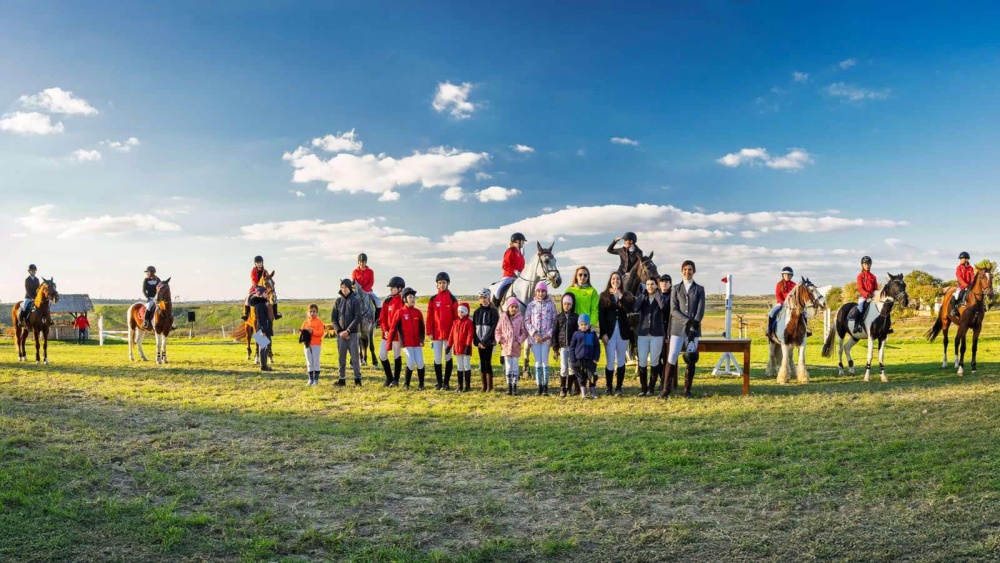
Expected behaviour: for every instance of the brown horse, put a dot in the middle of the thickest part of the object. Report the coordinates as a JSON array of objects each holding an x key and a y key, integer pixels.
[
  {"x": 970, "y": 315},
  {"x": 38, "y": 321},
  {"x": 249, "y": 327},
  {"x": 163, "y": 322},
  {"x": 790, "y": 330}
]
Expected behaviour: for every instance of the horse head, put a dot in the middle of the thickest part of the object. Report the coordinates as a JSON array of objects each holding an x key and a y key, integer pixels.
[
  {"x": 816, "y": 299},
  {"x": 267, "y": 282},
  {"x": 647, "y": 268},
  {"x": 163, "y": 291},
  {"x": 48, "y": 290},
  {"x": 547, "y": 261},
  {"x": 895, "y": 288},
  {"x": 983, "y": 284}
]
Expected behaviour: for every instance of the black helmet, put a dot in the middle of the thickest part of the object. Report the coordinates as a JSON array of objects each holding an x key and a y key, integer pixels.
[
  {"x": 150, "y": 269},
  {"x": 866, "y": 260},
  {"x": 409, "y": 291},
  {"x": 788, "y": 270},
  {"x": 517, "y": 237},
  {"x": 691, "y": 358},
  {"x": 965, "y": 255},
  {"x": 629, "y": 236},
  {"x": 397, "y": 282},
  {"x": 442, "y": 276},
  {"x": 363, "y": 258},
  {"x": 32, "y": 267},
  {"x": 258, "y": 259}
]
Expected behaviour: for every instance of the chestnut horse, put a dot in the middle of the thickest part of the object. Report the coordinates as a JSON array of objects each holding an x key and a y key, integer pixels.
[
  {"x": 38, "y": 321},
  {"x": 249, "y": 327},
  {"x": 970, "y": 315},
  {"x": 641, "y": 272},
  {"x": 163, "y": 322},
  {"x": 803, "y": 301}
]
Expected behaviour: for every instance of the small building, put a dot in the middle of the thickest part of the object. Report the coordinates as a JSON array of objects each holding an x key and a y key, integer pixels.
[{"x": 69, "y": 307}]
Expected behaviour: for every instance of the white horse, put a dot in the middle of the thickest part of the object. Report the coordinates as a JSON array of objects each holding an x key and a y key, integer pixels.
[
  {"x": 542, "y": 267},
  {"x": 803, "y": 302},
  {"x": 876, "y": 326}
]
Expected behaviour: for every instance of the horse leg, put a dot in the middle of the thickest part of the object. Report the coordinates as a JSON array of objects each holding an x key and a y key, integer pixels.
[
  {"x": 159, "y": 347},
  {"x": 847, "y": 344},
  {"x": 164, "y": 348},
  {"x": 783, "y": 369},
  {"x": 881, "y": 360},
  {"x": 944, "y": 340},
  {"x": 772, "y": 369},
  {"x": 139, "y": 335},
  {"x": 975, "y": 345},
  {"x": 38, "y": 346},
  {"x": 801, "y": 372},
  {"x": 22, "y": 340},
  {"x": 45, "y": 345},
  {"x": 960, "y": 339},
  {"x": 871, "y": 352}
]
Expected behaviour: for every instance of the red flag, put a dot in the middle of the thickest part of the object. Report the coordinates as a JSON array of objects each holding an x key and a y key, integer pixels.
[{"x": 725, "y": 279}]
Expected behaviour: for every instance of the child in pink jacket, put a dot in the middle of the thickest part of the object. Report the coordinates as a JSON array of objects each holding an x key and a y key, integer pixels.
[{"x": 511, "y": 334}]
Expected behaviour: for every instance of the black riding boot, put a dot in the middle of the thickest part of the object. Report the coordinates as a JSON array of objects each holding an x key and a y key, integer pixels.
[
  {"x": 461, "y": 381},
  {"x": 688, "y": 379},
  {"x": 448, "y": 366},
  {"x": 388, "y": 373},
  {"x": 482, "y": 374},
  {"x": 420, "y": 378},
  {"x": 409, "y": 375},
  {"x": 468, "y": 380},
  {"x": 246, "y": 312},
  {"x": 148, "y": 320},
  {"x": 654, "y": 375},
  {"x": 619, "y": 380},
  {"x": 609, "y": 377},
  {"x": 643, "y": 381},
  {"x": 669, "y": 381},
  {"x": 562, "y": 385},
  {"x": 277, "y": 315},
  {"x": 437, "y": 376},
  {"x": 396, "y": 368}
]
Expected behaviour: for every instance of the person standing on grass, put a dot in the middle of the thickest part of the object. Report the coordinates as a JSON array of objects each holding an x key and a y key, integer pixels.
[
  {"x": 390, "y": 307},
  {"x": 82, "y": 324},
  {"x": 665, "y": 284},
  {"x": 265, "y": 324},
  {"x": 566, "y": 323},
  {"x": 652, "y": 306},
  {"x": 484, "y": 338},
  {"x": 408, "y": 327},
  {"x": 511, "y": 334},
  {"x": 614, "y": 307},
  {"x": 442, "y": 309},
  {"x": 316, "y": 330},
  {"x": 346, "y": 320},
  {"x": 460, "y": 344},
  {"x": 540, "y": 320},
  {"x": 584, "y": 295},
  {"x": 584, "y": 353},
  {"x": 687, "y": 309}
]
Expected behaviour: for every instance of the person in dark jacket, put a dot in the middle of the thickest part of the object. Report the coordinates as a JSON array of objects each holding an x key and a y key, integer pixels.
[
  {"x": 652, "y": 306},
  {"x": 149, "y": 285},
  {"x": 687, "y": 309},
  {"x": 584, "y": 353},
  {"x": 566, "y": 323},
  {"x": 346, "y": 320},
  {"x": 665, "y": 288},
  {"x": 265, "y": 324},
  {"x": 484, "y": 338},
  {"x": 613, "y": 309},
  {"x": 629, "y": 254},
  {"x": 31, "y": 285}
]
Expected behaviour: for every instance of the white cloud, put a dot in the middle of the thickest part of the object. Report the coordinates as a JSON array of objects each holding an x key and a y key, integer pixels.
[
  {"x": 496, "y": 193},
  {"x": 454, "y": 193},
  {"x": 483, "y": 176},
  {"x": 800, "y": 77},
  {"x": 381, "y": 174},
  {"x": 847, "y": 63},
  {"x": 856, "y": 93},
  {"x": 57, "y": 100},
  {"x": 523, "y": 149},
  {"x": 795, "y": 159},
  {"x": 29, "y": 123},
  {"x": 83, "y": 155},
  {"x": 341, "y": 142},
  {"x": 40, "y": 221},
  {"x": 122, "y": 146},
  {"x": 624, "y": 141},
  {"x": 297, "y": 193},
  {"x": 454, "y": 99}
]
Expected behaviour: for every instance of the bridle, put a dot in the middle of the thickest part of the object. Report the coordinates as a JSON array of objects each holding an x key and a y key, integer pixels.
[{"x": 546, "y": 272}]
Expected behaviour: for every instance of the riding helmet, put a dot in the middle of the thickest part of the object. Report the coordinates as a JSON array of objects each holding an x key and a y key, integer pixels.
[
  {"x": 409, "y": 291},
  {"x": 32, "y": 267},
  {"x": 866, "y": 260},
  {"x": 788, "y": 270},
  {"x": 258, "y": 259},
  {"x": 363, "y": 258},
  {"x": 964, "y": 255},
  {"x": 442, "y": 276},
  {"x": 517, "y": 237},
  {"x": 629, "y": 236},
  {"x": 397, "y": 282},
  {"x": 150, "y": 269},
  {"x": 691, "y": 357}
]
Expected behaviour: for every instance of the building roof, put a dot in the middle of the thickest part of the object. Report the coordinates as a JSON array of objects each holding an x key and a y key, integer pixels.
[{"x": 73, "y": 303}]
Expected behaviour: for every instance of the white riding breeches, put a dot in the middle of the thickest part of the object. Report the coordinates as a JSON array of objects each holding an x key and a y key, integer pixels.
[
  {"x": 438, "y": 346},
  {"x": 614, "y": 350}
]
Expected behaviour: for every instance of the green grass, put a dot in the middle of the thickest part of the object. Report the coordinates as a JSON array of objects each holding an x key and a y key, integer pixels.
[{"x": 207, "y": 458}]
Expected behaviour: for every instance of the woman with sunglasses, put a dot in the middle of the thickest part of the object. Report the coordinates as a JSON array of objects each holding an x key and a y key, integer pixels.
[{"x": 587, "y": 298}]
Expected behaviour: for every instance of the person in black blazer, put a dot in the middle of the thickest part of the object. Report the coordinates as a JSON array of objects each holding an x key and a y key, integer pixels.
[
  {"x": 687, "y": 309},
  {"x": 613, "y": 308}
]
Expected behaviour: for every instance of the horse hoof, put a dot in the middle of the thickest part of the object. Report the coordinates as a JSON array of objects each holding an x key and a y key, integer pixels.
[
  {"x": 960, "y": 372},
  {"x": 944, "y": 364},
  {"x": 885, "y": 379},
  {"x": 867, "y": 378},
  {"x": 46, "y": 362}
]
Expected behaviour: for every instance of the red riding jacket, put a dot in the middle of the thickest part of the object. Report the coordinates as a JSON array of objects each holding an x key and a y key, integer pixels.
[
  {"x": 255, "y": 277},
  {"x": 867, "y": 284},
  {"x": 513, "y": 261},
  {"x": 408, "y": 324},
  {"x": 389, "y": 307},
  {"x": 365, "y": 278},
  {"x": 964, "y": 274},
  {"x": 782, "y": 290},
  {"x": 442, "y": 310},
  {"x": 460, "y": 339}
]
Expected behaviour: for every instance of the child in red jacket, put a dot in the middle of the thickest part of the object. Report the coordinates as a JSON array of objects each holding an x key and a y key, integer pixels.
[
  {"x": 408, "y": 326},
  {"x": 460, "y": 344},
  {"x": 442, "y": 309},
  {"x": 964, "y": 274},
  {"x": 867, "y": 286}
]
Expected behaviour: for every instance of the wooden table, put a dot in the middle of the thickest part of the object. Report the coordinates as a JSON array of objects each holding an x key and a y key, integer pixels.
[{"x": 720, "y": 345}]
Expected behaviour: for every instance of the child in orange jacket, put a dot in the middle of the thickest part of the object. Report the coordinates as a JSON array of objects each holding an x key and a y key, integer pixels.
[
  {"x": 316, "y": 330},
  {"x": 460, "y": 344}
]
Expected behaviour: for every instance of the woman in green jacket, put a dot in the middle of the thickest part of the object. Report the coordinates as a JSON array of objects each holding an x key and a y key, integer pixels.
[{"x": 586, "y": 296}]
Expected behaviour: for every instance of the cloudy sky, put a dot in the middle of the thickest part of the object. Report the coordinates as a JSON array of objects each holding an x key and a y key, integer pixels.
[{"x": 747, "y": 136}]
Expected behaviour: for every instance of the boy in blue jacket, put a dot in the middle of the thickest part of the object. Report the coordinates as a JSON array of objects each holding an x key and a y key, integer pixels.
[{"x": 584, "y": 352}]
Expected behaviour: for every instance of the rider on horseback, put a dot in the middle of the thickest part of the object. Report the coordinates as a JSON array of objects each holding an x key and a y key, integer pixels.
[
  {"x": 867, "y": 286},
  {"x": 31, "y": 285},
  {"x": 629, "y": 254},
  {"x": 365, "y": 277},
  {"x": 149, "y": 285},
  {"x": 781, "y": 291},
  {"x": 964, "y": 273},
  {"x": 513, "y": 263},
  {"x": 257, "y": 277}
]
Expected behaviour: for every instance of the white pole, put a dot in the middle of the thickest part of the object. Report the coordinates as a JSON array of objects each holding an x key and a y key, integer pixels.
[
  {"x": 100, "y": 329},
  {"x": 223, "y": 332},
  {"x": 727, "y": 364}
]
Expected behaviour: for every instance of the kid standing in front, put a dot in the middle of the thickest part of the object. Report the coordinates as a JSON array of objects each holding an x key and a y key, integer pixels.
[
  {"x": 386, "y": 318},
  {"x": 584, "y": 353},
  {"x": 484, "y": 337},
  {"x": 460, "y": 344},
  {"x": 566, "y": 324},
  {"x": 511, "y": 334},
  {"x": 316, "y": 330},
  {"x": 442, "y": 309},
  {"x": 540, "y": 320},
  {"x": 408, "y": 327}
]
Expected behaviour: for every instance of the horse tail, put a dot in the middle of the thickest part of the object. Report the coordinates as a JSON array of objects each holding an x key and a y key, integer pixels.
[
  {"x": 241, "y": 332},
  {"x": 935, "y": 330},
  {"x": 828, "y": 345}
]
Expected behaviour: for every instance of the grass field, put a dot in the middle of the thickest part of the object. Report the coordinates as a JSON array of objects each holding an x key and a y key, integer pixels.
[{"x": 209, "y": 459}]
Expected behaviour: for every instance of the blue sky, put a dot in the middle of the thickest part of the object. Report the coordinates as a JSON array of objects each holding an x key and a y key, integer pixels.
[{"x": 750, "y": 136}]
